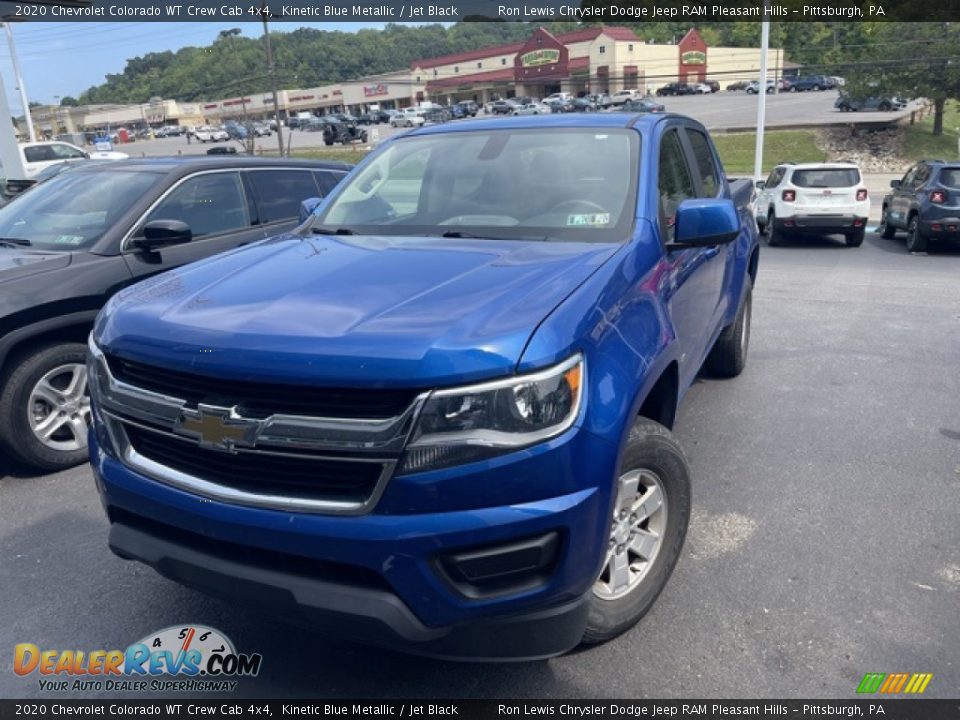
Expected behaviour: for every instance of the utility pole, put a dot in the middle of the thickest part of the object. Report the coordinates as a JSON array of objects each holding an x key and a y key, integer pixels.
[
  {"x": 23, "y": 90},
  {"x": 761, "y": 99},
  {"x": 273, "y": 77}
]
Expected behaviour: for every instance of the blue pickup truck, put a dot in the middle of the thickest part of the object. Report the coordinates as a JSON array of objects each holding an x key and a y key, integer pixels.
[{"x": 437, "y": 415}]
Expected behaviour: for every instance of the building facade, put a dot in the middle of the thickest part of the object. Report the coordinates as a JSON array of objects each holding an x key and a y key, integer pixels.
[{"x": 601, "y": 59}]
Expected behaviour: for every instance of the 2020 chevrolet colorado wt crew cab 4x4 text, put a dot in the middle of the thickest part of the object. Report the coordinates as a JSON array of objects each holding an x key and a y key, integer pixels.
[{"x": 436, "y": 416}]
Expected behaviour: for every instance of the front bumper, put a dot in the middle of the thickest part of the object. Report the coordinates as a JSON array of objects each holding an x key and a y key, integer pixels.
[
  {"x": 381, "y": 578},
  {"x": 821, "y": 223}
]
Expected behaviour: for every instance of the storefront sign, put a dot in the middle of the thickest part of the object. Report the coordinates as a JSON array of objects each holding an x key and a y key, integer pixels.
[
  {"x": 375, "y": 90},
  {"x": 534, "y": 58},
  {"x": 694, "y": 57}
]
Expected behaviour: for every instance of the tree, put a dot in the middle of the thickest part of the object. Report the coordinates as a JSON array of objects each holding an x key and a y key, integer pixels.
[
  {"x": 912, "y": 60},
  {"x": 68, "y": 101}
]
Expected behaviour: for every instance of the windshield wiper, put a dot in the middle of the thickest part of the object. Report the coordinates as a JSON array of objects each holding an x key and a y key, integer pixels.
[
  {"x": 14, "y": 242},
  {"x": 461, "y": 234},
  {"x": 332, "y": 231}
]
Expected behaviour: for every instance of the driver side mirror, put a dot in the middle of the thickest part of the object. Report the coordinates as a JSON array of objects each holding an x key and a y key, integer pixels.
[
  {"x": 307, "y": 207},
  {"x": 705, "y": 223},
  {"x": 761, "y": 184},
  {"x": 160, "y": 233},
  {"x": 895, "y": 184}
]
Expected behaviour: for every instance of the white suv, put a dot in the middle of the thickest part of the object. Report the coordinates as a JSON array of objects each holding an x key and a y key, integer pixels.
[{"x": 813, "y": 198}]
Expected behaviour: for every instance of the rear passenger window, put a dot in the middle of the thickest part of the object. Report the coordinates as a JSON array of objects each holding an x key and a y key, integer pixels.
[
  {"x": 38, "y": 153},
  {"x": 950, "y": 177},
  {"x": 280, "y": 192},
  {"x": 675, "y": 183},
  {"x": 706, "y": 168}
]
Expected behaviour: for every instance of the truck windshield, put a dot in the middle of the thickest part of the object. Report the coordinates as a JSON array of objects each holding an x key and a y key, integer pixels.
[
  {"x": 74, "y": 209},
  {"x": 576, "y": 184}
]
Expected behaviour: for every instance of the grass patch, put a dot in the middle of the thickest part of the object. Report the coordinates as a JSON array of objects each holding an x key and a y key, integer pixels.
[
  {"x": 921, "y": 144},
  {"x": 737, "y": 149},
  {"x": 334, "y": 154}
]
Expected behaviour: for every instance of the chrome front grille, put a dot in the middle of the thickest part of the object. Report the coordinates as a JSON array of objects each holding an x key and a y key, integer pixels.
[{"x": 227, "y": 443}]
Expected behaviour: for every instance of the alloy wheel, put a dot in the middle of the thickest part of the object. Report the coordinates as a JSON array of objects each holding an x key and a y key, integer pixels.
[
  {"x": 58, "y": 409},
  {"x": 639, "y": 523}
]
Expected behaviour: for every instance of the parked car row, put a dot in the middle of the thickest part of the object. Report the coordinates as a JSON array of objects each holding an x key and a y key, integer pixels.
[{"x": 91, "y": 228}]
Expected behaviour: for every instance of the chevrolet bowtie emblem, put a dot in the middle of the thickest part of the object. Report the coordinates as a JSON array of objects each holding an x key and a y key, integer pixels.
[{"x": 218, "y": 428}]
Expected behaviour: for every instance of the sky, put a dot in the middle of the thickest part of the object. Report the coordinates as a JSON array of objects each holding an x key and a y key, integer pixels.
[{"x": 60, "y": 59}]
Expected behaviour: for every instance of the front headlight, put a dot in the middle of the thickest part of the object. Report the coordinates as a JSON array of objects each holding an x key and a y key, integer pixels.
[{"x": 465, "y": 424}]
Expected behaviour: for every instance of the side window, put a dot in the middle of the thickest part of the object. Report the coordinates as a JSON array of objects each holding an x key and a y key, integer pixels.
[
  {"x": 774, "y": 179},
  {"x": 65, "y": 152},
  {"x": 908, "y": 178},
  {"x": 675, "y": 183},
  {"x": 923, "y": 174},
  {"x": 208, "y": 204},
  {"x": 327, "y": 180},
  {"x": 706, "y": 166},
  {"x": 38, "y": 153},
  {"x": 280, "y": 192}
]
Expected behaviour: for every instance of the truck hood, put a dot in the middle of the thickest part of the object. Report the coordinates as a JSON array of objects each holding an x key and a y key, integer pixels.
[
  {"x": 362, "y": 311},
  {"x": 16, "y": 263}
]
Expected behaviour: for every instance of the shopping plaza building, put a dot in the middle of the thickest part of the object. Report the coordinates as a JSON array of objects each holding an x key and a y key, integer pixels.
[{"x": 600, "y": 59}]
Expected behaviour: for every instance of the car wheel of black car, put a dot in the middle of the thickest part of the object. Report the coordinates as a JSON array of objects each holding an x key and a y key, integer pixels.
[
  {"x": 729, "y": 354},
  {"x": 855, "y": 239},
  {"x": 651, "y": 513},
  {"x": 885, "y": 106},
  {"x": 817, "y": 88},
  {"x": 793, "y": 88},
  {"x": 916, "y": 242},
  {"x": 774, "y": 236},
  {"x": 887, "y": 231},
  {"x": 45, "y": 407}
]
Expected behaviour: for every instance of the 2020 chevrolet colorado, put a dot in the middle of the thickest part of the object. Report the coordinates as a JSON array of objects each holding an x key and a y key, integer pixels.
[{"x": 437, "y": 416}]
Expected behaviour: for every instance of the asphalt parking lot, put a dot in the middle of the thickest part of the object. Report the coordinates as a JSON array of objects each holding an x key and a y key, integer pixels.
[
  {"x": 824, "y": 542},
  {"x": 722, "y": 111}
]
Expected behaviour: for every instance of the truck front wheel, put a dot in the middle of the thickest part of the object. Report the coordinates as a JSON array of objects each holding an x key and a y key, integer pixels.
[{"x": 650, "y": 517}]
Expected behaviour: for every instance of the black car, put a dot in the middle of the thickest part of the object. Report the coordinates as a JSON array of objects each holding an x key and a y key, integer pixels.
[
  {"x": 70, "y": 243},
  {"x": 642, "y": 106},
  {"x": 469, "y": 107},
  {"x": 812, "y": 82},
  {"x": 676, "y": 88},
  {"x": 924, "y": 203}
]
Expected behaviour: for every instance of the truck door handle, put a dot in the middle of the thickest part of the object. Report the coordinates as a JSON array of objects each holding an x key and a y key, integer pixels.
[{"x": 711, "y": 251}]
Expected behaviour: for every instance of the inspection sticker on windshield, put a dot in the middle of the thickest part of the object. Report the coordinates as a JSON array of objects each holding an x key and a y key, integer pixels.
[
  {"x": 68, "y": 239},
  {"x": 588, "y": 220}
]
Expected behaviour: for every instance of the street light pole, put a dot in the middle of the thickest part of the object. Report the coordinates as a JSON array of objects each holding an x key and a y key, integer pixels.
[
  {"x": 23, "y": 90},
  {"x": 761, "y": 99},
  {"x": 273, "y": 79}
]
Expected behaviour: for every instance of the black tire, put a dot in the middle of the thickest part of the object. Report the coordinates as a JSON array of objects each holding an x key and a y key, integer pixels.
[
  {"x": 887, "y": 231},
  {"x": 729, "y": 354},
  {"x": 774, "y": 236},
  {"x": 793, "y": 88},
  {"x": 885, "y": 107},
  {"x": 16, "y": 436},
  {"x": 855, "y": 239},
  {"x": 652, "y": 448},
  {"x": 916, "y": 242}
]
